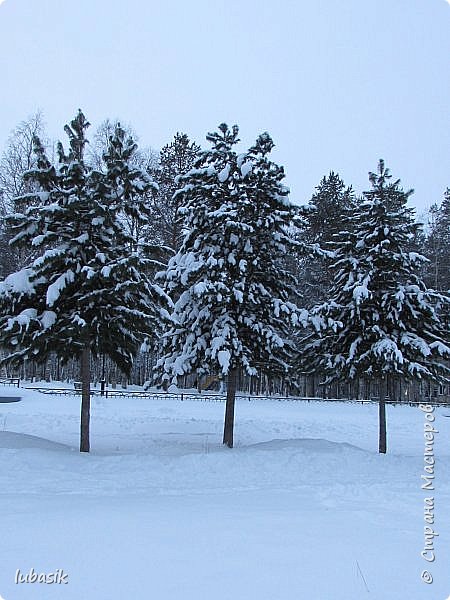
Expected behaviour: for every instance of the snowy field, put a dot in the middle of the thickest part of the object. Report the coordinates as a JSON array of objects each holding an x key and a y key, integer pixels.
[{"x": 302, "y": 508}]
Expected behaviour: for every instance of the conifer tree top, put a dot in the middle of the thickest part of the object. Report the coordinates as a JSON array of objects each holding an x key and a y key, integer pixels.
[
  {"x": 381, "y": 317},
  {"x": 232, "y": 293},
  {"x": 86, "y": 284}
]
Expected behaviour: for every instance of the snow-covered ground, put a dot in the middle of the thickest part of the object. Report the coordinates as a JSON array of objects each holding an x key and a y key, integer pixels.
[{"x": 302, "y": 508}]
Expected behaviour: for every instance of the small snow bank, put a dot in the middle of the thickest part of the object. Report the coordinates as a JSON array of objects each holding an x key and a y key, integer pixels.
[
  {"x": 176, "y": 467},
  {"x": 306, "y": 445},
  {"x": 13, "y": 440},
  {"x": 14, "y": 391},
  {"x": 7, "y": 399}
]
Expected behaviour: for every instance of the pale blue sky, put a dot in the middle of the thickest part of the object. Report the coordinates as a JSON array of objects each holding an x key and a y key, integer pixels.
[{"x": 337, "y": 83}]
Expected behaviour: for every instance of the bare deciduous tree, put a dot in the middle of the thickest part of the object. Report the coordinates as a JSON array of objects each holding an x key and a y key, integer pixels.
[{"x": 17, "y": 158}]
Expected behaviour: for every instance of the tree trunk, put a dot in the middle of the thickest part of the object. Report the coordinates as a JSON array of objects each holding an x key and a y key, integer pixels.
[
  {"x": 85, "y": 399},
  {"x": 229, "y": 409},
  {"x": 382, "y": 417}
]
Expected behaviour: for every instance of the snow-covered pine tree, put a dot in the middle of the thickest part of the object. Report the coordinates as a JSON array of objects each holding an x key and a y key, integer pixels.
[
  {"x": 133, "y": 186},
  {"x": 381, "y": 319},
  {"x": 175, "y": 159},
  {"x": 328, "y": 208},
  {"x": 438, "y": 245},
  {"x": 323, "y": 217},
  {"x": 88, "y": 293},
  {"x": 232, "y": 297}
]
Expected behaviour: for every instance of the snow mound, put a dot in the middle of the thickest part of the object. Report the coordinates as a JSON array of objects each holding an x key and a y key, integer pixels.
[
  {"x": 13, "y": 440},
  {"x": 307, "y": 445},
  {"x": 7, "y": 399}
]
